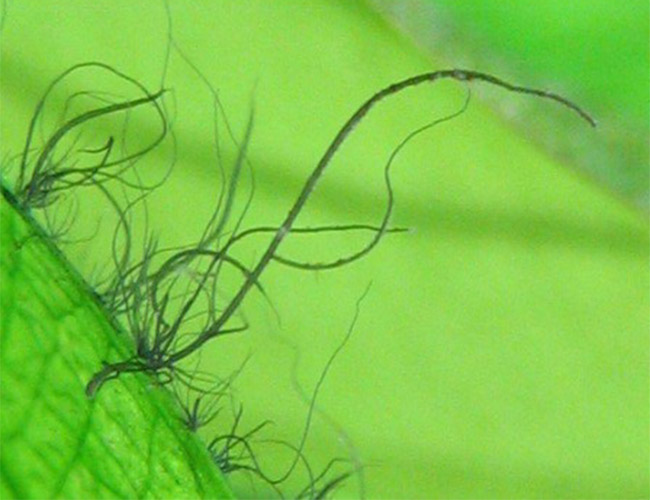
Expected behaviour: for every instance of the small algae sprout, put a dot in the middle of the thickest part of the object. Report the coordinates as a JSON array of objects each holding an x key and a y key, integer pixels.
[
  {"x": 168, "y": 297},
  {"x": 172, "y": 300},
  {"x": 235, "y": 451},
  {"x": 47, "y": 166},
  {"x": 161, "y": 344}
]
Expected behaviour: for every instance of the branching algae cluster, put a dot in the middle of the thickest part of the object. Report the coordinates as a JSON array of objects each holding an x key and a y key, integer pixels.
[{"x": 170, "y": 299}]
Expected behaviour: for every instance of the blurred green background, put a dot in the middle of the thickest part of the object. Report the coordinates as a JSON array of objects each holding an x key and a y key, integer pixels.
[
  {"x": 596, "y": 49},
  {"x": 503, "y": 349}
]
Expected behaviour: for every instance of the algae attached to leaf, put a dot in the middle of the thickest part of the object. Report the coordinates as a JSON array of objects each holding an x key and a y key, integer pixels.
[{"x": 56, "y": 443}]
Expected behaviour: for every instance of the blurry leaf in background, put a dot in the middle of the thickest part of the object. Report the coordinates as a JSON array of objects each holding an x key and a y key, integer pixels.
[{"x": 595, "y": 51}]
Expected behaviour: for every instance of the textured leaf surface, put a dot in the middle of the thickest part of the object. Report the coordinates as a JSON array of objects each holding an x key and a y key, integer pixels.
[{"x": 127, "y": 442}]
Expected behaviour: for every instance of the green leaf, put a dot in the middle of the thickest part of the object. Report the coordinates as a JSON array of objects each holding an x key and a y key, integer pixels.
[{"x": 128, "y": 442}]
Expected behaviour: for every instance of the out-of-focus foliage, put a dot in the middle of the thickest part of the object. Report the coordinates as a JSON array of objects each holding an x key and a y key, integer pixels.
[{"x": 597, "y": 50}]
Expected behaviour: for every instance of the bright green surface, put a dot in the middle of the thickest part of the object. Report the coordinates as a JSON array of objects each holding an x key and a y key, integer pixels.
[
  {"x": 503, "y": 349},
  {"x": 569, "y": 40},
  {"x": 126, "y": 443}
]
